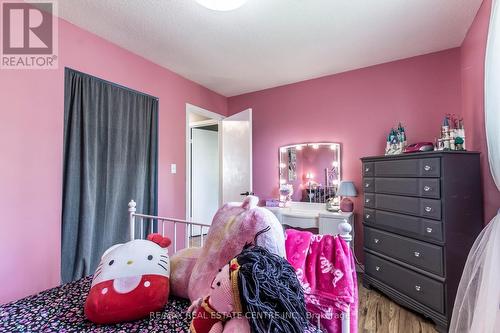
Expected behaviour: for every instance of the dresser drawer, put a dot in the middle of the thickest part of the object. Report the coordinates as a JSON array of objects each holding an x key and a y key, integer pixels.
[
  {"x": 369, "y": 215},
  {"x": 421, "y": 288},
  {"x": 426, "y": 167},
  {"x": 305, "y": 222},
  {"x": 369, "y": 200},
  {"x": 418, "y": 187},
  {"x": 429, "y": 188},
  {"x": 424, "y": 229},
  {"x": 426, "y": 256},
  {"x": 407, "y": 205},
  {"x": 369, "y": 185},
  {"x": 430, "y": 208},
  {"x": 368, "y": 169}
]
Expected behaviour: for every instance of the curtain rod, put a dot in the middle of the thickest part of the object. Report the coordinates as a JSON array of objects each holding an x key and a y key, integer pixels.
[{"x": 67, "y": 69}]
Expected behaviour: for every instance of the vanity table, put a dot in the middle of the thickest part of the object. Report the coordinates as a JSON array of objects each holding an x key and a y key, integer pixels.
[{"x": 305, "y": 215}]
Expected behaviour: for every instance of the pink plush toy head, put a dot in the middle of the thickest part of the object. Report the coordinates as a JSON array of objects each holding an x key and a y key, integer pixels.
[
  {"x": 221, "y": 296},
  {"x": 225, "y": 293}
]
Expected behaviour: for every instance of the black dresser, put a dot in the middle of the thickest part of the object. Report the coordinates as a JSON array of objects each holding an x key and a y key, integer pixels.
[{"x": 422, "y": 213}]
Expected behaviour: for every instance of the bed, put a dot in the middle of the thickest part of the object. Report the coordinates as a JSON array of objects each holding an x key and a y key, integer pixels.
[{"x": 60, "y": 309}]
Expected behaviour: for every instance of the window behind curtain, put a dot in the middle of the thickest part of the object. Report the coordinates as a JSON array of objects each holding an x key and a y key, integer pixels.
[{"x": 110, "y": 157}]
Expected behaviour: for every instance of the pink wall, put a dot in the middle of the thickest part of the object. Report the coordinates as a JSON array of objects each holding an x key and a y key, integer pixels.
[
  {"x": 473, "y": 54},
  {"x": 355, "y": 108},
  {"x": 31, "y": 138}
]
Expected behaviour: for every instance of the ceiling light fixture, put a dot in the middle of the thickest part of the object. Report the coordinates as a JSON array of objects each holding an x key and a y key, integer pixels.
[{"x": 222, "y": 5}]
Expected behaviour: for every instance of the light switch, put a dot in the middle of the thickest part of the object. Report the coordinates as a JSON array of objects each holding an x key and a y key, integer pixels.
[{"x": 173, "y": 168}]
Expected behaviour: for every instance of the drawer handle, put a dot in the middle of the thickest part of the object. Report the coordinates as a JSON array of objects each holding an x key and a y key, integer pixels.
[
  {"x": 428, "y": 209},
  {"x": 429, "y": 230},
  {"x": 427, "y": 188},
  {"x": 376, "y": 240},
  {"x": 377, "y": 268},
  {"x": 367, "y": 216},
  {"x": 367, "y": 185},
  {"x": 367, "y": 169},
  {"x": 427, "y": 168},
  {"x": 417, "y": 254},
  {"x": 367, "y": 200},
  {"x": 418, "y": 288}
]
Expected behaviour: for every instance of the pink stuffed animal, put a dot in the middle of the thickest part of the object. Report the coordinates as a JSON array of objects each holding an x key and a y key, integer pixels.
[
  {"x": 258, "y": 291},
  {"x": 233, "y": 226}
]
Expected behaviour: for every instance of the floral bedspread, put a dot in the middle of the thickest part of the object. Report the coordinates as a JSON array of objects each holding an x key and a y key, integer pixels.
[{"x": 61, "y": 310}]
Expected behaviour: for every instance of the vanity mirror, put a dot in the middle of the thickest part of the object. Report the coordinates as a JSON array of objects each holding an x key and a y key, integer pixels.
[{"x": 309, "y": 172}]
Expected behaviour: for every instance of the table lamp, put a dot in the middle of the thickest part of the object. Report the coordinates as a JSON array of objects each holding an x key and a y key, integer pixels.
[{"x": 346, "y": 190}]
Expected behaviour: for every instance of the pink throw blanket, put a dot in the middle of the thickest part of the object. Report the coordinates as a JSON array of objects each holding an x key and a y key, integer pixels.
[{"x": 326, "y": 270}]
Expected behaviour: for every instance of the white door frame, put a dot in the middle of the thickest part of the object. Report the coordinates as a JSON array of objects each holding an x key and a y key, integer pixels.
[{"x": 215, "y": 119}]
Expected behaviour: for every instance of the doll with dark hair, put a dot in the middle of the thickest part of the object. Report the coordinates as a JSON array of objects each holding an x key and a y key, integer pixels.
[{"x": 256, "y": 292}]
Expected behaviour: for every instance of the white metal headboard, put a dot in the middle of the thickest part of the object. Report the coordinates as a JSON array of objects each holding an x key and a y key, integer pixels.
[{"x": 162, "y": 221}]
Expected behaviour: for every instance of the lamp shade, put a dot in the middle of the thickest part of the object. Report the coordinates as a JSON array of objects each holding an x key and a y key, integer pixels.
[{"x": 347, "y": 189}]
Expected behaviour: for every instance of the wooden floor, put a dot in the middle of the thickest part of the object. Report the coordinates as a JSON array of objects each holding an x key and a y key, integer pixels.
[{"x": 379, "y": 314}]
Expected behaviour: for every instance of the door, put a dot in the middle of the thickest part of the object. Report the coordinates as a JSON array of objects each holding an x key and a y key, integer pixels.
[
  {"x": 205, "y": 176},
  {"x": 236, "y": 156}
]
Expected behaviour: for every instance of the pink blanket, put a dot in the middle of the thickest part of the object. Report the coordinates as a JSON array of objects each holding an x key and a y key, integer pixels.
[{"x": 325, "y": 268}]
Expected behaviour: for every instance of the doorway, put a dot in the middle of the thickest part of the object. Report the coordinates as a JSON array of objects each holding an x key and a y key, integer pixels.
[
  {"x": 203, "y": 169},
  {"x": 218, "y": 162}
]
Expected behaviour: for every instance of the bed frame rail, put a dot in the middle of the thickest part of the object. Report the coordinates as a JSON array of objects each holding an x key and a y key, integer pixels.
[{"x": 162, "y": 222}]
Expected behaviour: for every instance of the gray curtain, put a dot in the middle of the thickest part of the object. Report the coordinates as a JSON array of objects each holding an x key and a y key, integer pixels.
[{"x": 110, "y": 157}]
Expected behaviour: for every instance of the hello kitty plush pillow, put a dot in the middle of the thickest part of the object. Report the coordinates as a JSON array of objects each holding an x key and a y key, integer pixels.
[{"x": 131, "y": 281}]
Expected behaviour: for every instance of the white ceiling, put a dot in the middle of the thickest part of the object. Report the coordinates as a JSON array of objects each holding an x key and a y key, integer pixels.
[{"x": 267, "y": 43}]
